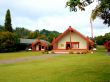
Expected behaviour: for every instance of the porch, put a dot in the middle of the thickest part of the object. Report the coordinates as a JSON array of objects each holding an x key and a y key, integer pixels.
[{"x": 73, "y": 51}]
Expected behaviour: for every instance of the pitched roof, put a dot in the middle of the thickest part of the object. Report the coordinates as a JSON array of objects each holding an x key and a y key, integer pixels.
[
  {"x": 41, "y": 41},
  {"x": 27, "y": 41},
  {"x": 73, "y": 30},
  {"x": 30, "y": 41}
]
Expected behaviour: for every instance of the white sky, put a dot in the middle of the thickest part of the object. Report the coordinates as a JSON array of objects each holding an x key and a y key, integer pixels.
[{"x": 50, "y": 15}]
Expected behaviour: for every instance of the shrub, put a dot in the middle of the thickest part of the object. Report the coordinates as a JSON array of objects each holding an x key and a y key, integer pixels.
[
  {"x": 71, "y": 52},
  {"x": 52, "y": 52},
  {"x": 8, "y": 42},
  {"x": 78, "y": 52},
  {"x": 49, "y": 47}
]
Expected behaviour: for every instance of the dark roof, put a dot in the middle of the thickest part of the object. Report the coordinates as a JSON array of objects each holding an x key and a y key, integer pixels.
[
  {"x": 30, "y": 41},
  {"x": 27, "y": 41},
  {"x": 45, "y": 41}
]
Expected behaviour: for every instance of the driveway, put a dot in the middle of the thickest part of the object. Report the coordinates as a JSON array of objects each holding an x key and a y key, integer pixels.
[{"x": 22, "y": 59}]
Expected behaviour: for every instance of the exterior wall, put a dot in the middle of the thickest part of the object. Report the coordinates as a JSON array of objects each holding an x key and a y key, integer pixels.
[
  {"x": 37, "y": 47},
  {"x": 62, "y": 42},
  {"x": 74, "y": 38},
  {"x": 82, "y": 42}
]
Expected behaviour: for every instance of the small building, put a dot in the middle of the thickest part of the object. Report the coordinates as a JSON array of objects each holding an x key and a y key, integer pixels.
[
  {"x": 33, "y": 44},
  {"x": 107, "y": 45},
  {"x": 39, "y": 45},
  {"x": 71, "y": 40}
]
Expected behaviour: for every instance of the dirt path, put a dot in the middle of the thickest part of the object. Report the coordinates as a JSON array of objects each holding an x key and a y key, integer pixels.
[{"x": 22, "y": 59}]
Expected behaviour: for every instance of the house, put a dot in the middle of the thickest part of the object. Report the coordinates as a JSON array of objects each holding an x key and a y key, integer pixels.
[
  {"x": 39, "y": 45},
  {"x": 107, "y": 45},
  {"x": 71, "y": 41},
  {"x": 33, "y": 44}
]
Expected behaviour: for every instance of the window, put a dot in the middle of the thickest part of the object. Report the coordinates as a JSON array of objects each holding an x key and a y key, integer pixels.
[
  {"x": 62, "y": 45},
  {"x": 72, "y": 45},
  {"x": 75, "y": 44}
]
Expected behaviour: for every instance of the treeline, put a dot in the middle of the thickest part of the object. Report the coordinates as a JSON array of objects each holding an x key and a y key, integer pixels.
[
  {"x": 37, "y": 34},
  {"x": 100, "y": 40},
  {"x": 10, "y": 41}
]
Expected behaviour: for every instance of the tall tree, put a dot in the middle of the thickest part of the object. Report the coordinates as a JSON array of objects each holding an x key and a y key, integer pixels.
[
  {"x": 7, "y": 25},
  {"x": 102, "y": 10}
]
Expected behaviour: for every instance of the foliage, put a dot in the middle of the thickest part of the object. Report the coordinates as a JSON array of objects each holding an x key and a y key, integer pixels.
[
  {"x": 102, "y": 10},
  {"x": 34, "y": 34},
  {"x": 8, "y": 42},
  {"x": 1, "y": 28},
  {"x": 42, "y": 34},
  {"x": 49, "y": 47},
  {"x": 7, "y": 24},
  {"x": 100, "y": 40},
  {"x": 22, "y": 32},
  {"x": 73, "y": 4},
  {"x": 49, "y": 35}
]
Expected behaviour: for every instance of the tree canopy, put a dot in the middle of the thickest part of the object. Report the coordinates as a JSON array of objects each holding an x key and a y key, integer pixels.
[
  {"x": 100, "y": 40},
  {"x": 22, "y": 32},
  {"x": 41, "y": 34},
  {"x": 7, "y": 25},
  {"x": 8, "y": 41},
  {"x": 102, "y": 10}
]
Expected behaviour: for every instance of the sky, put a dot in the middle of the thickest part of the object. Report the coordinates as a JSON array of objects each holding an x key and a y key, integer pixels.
[{"x": 50, "y": 15}]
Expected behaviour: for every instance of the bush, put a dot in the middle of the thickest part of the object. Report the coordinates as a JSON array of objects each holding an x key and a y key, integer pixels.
[
  {"x": 8, "y": 42},
  {"x": 71, "y": 52},
  {"x": 49, "y": 47},
  {"x": 52, "y": 52}
]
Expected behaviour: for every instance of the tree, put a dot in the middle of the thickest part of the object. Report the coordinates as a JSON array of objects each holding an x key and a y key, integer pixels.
[
  {"x": 34, "y": 35},
  {"x": 8, "y": 41},
  {"x": 22, "y": 32},
  {"x": 100, "y": 40},
  {"x": 7, "y": 25},
  {"x": 102, "y": 10},
  {"x": 49, "y": 35}
]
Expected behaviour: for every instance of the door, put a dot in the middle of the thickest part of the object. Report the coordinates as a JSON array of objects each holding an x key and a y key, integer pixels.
[
  {"x": 67, "y": 45},
  {"x": 39, "y": 47}
]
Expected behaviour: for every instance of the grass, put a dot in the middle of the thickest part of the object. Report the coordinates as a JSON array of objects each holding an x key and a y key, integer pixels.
[
  {"x": 64, "y": 68},
  {"x": 13, "y": 55}
]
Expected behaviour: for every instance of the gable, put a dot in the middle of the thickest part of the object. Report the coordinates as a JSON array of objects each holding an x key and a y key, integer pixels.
[
  {"x": 75, "y": 38},
  {"x": 65, "y": 33}
]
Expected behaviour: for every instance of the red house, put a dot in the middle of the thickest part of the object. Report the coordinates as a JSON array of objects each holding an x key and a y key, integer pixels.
[
  {"x": 71, "y": 40},
  {"x": 107, "y": 45},
  {"x": 39, "y": 45}
]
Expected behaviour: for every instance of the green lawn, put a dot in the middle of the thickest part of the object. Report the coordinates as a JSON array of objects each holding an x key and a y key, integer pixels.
[
  {"x": 64, "y": 68},
  {"x": 13, "y": 55}
]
